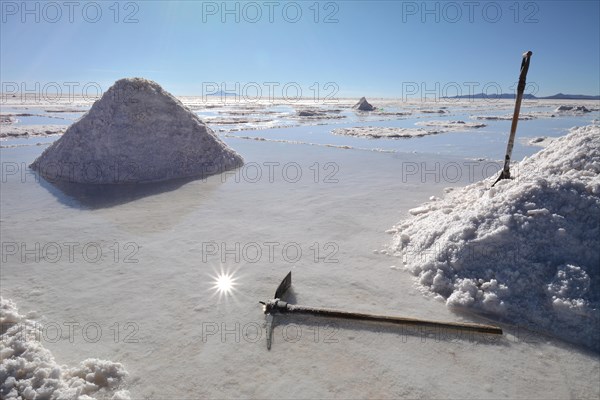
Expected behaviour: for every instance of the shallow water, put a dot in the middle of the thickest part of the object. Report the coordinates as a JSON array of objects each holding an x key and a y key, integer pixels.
[{"x": 488, "y": 142}]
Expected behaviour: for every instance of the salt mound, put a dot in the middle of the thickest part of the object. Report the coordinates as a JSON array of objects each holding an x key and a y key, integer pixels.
[
  {"x": 137, "y": 132},
  {"x": 575, "y": 109},
  {"x": 377, "y": 132},
  {"x": 526, "y": 250},
  {"x": 29, "y": 371},
  {"x": 363, "y": 105}
]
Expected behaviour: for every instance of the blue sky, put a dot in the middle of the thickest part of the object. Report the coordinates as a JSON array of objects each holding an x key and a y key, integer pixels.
[{"x": 375, "y": 48}]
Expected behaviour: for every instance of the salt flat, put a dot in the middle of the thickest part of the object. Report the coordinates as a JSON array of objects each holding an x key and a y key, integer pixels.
[{"x": 152, "y": 290}]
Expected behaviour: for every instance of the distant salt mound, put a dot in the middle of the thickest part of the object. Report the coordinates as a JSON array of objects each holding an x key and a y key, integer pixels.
[
  {"x": 29, "y": 371},
  {"x": 137, "y": 132},
  {"x": 526, "y": 250},
  {"x": 377, "y": 132},
  {"x": 454, "y": 125},
  {"x": 574, "y": 109},
  {"x": 363, "y": 105}
]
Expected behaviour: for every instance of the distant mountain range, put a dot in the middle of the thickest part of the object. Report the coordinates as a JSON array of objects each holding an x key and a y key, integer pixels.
[
  {"x": 571, "y": 97},
  {"x": 222, "y": 93},
  {"x": 559, "y": 96}
]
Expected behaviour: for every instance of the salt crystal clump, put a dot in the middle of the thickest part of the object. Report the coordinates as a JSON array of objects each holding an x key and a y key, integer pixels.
[
  {"x": 526, "y": 250},
  {"x": 28, "y": 370},
  {"x": 136, "y": 132}
]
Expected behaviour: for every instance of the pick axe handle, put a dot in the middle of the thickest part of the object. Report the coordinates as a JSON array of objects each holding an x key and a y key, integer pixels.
[
  {"x": 326, "y": 312},
  {"x": 515, "y": 118}
]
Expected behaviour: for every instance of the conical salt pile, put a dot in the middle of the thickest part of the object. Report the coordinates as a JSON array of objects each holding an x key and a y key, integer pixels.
[
  {"x": 137, "y": 132},
  {"x": 363, "y": 105}
]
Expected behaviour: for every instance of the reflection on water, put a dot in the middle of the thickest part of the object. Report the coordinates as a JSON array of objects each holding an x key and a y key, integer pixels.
[
  {"x": 94, "y": 196},
  {"x": 91, "y": 196},
  {"x": 140, "y": 209}
]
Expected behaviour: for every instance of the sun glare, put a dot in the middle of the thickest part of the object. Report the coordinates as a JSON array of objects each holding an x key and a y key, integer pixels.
[{"x": 224, "y": 283}]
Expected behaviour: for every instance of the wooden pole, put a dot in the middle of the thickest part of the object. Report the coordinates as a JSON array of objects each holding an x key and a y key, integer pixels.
[
  {"x": 515, "y": 120},
  {"x": 327, "y": 312}
]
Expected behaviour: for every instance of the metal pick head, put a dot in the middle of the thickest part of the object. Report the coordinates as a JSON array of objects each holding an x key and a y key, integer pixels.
[
  {"x": 285, "y": 284},
  {"x": 269, "y": 327},
  {"x": 271, "y": 305}
]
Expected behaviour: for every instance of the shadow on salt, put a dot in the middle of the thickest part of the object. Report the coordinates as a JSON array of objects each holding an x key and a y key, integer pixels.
[
  {"x": 91, "y": 196},
  {"x": 95, "y": 196}
]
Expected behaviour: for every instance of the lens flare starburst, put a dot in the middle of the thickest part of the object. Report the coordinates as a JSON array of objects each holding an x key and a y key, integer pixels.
[{"x": 223, "y": 284}]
